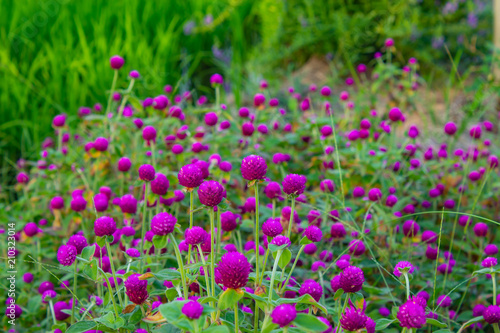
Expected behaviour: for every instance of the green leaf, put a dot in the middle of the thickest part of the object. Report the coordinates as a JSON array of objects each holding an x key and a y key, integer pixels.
[
  {"x": 305, "y": 241},
  {"x": 101, "y": 241},
  {"x": 87, "y": 252},
  {"x": 167, "y": 274},
  {"x": 285, "y": 258},
  {"x": 91, "y": 269},
  {"x": 274, "y": 248},
  {"x": 217, "y": 329},
  {"x": 160, "y": 241},
  {"x": 304, "y": 299},
  {"x": 207, "y": 299},
  {"x": 436, "y": 323},
  {"x": 309, "y": 323},
  {"x": 81, "y": 326},
  {"x": 269, "y": 327},
  {"x": 338, "y": 294},
  {"x": 136, "y": 103},
  {"x": 443, "y": 331},
  {"x": 383, "y": 323},
  {"x": 168, "y": 328},
  {"x": 171, "y": 294},
  {"x": 229, "y": 298},
  {"x": 172, "y": 311},
  {"x": 61, "y": 326}
]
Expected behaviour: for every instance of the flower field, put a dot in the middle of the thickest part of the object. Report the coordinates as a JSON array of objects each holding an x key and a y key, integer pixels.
[{"x": 309, "y": 209}]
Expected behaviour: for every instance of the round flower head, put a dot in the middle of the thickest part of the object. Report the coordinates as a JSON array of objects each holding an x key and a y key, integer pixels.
[
  {"x": 443, "y": 301},
  {"x": 272, "y": 227},
  {"x": 136, "y": 289},
  {"x": 353, "y": 319},
  {"x": 211, "y": 119},
  {"x": 104, "y": 226},
  {"x": 22, "y": 178},
  {"x": 195, "y": 235},
  {"x": 66, "y": 255},
  {"x": 281, "y": 240},
  {"x": 492, "y": 314},
  {"x": 410, "y": 228},
  {"x": 190, "y": 176},
  {"x": 253, "y": 167},
  {"x": 228, "y": 221},
  {"x": 337, "y": 231},
  {"x": 374, "y": 194},
  {"x": 192, "y": 310},
  {"x": 491, "y": 249},
  {"x": 294, "y": 184},
  {"x": 233, "y": 270},
  {"x": 403, "y": 266},
  {"x": 48, "y": 295},
  {"x": 357, "y": 247},
  {"x": 28, "y": 277},
  {"x": 429, "y": 237},
  {"x": 160, "y": 184},
  {"x": 128, "y": 204},
  {"x": 327, "y": 185},
  {"x": 272, "y": 190},
  {"x": 78, "y": 203},
  {"x": 149, "y": 133},
  {"x": 134, "y": 253},
  {"x": 163, "y": 224},
  {"x": 489, "y": 262},
  {"x": 411, "y": 314},
  {"x": 210, "y": 193},
  {"x": 124, "y": 164},
  {"x": 351, "y": 279},
  {"x": 146, "y": 172},
  {"x": 30, "y": 229},
  {"x": 284, "y": 314},
  {"x": 44, "y": 286},
  {"x": 395, "y": 114},
  {"x": 57, "y": 203},
  {"x": 216, "y": 79},
  {"x": 313, "y": 233},
  {"x": 116, "y": 62},
  {"x": 480, "y": 229},
  {"x": 79, "y": 242},
  {"x": 312, "y": 288},
  {"x": 101, "y": 144}
]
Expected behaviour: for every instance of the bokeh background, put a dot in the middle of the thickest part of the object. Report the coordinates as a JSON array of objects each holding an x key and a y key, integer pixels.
[{"x": 54, "y": 53}]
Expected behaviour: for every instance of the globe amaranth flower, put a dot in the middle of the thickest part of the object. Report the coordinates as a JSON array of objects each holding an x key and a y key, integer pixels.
[
  {"x": 272, "y": 227},
  {"x": 353, "y": 319},
  {"x": 272, "y": 190},
  {"x": 136, "y": 289},
  {"x": 284, "y": 314},
  {"x": 149, "y": 133},
  {"x": 281, "y": 240},
  {"x": 28, "y": 277},
  {"x": 229, "y": 221},
  {"x": 104, "y": 226},
  {"x": 233, "y": 270},
  {"x": 78, "y": 203},
  {"x": 403, "y": 265},
  {"x": 30, "y": 229},
  {"x": 134, "y": 253},
  {"x": 147, "y": 172},
  {"x": 195, "y": 235},
  {"x": 57, "y": 203},
  {"x": 327, "y": 186},
  {"x": 326, "y": 256},
  {"x": 128, "y": 204},
  {"x": 253, "y": 167},
  {"x": 489, "y": 262},
  {"x": 44, "y": 286},
  {"x": 124, "y": 164},
  {"x": 116, "y": 62},
  {"x": 313, "y": 233},
  {"x": 410, "y": 228},
  {"x": 411, "y": 315},
  {"x": 294, "y": 184},
  {"x": 160, "y": 184},
  {"x": 444, "y": 301},
  {"x": 101, "y": 144},
  {"x": 492, "y": 314},
  {"x": 22, "y": 178},
  {"x": 351, "y": 279},
  {"x": 357, "y": 247},
  {"x": 163, "y": 224},
  {"x": 190, "y": 176},
  {"x": 338, "y": 231},
  {"x": 210, "y": 193},
  {"x": 66, "y": 255},
  {"x": 192, "y": 310},
  {"x": 312, "y": 288}
]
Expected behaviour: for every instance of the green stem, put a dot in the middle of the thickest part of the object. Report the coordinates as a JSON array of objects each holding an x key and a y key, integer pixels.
[
  {"x": 407, "y": 286},
  {"x": 74, "y": 290},
  {"x": 274, "y": 207},
  {"x": 342, "y": 311},
  {"x": 113, "y": 271},
  {"x": 219, "y": 229},
  {"x": 291, "y": 218},
  {"x": 153, "y": 153},
  {"x": 275, "y": 266},
  {"x": 293, "y": 267},
  {"x": 113, "y": 85},
  {"x": 236, "y": 325},
  {"x": 88, "y": 309},
  {"x": 257, "y": 230},
  {"x": 143, "y": 232},
  {"x": 495, "y": 328},
  {"x": 110, "y": 291},
  {"x": 263, "y": 267},
  {"x": 493, "y": 280},
  {"x": 205, "y": 269},
  {"x": 52, "y": 310},
  {"x": 212, "y": 259},
  {"x": 181, "y": 265}
]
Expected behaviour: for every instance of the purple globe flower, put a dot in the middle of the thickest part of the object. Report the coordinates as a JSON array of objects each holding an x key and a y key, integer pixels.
[
  {"x": 233, "y": 270},
  {"x": 294, "y": 184},
  {"x": 58, "y": 313},
  {"x": 480, "y": 229},
  {"x": 211, "y": 119},
  {"x": 353, "y": 319},
  {"x": 66, "y": 255},
  {"x": 22, "y": 178},
  {"x": 338, "y": 231},
  {"x": 13, "y": 310},
  {"x": 210, "y": 193},
  {"x": 78, "y": 203},
  {"x": 128, "y": 204},
  {"x": 48, "y": 295},
  {"x": 272, "y": 190},
  {"x": 163, "y": 224},
  {"x": 44, "y": 286},
  {"x": 149, "y": 133},
  {"x": 327, "y": 185},
  {"x": 190, "y": 176},
  {"x": 136, "y": 289},
  {"x": 375, "y": 194},
  {"x": 491, "y": 249},
  {"x": 124, "y": 164},
  {"x": 443, "y": 301},
  {"x": 30, "y": 229},
  {"x": 104, "y": 226},
  {"x": 195, "y": 235},
  {"x": 357, "y": 247},
  {"x": 489, "y": 262},
  {"x": 312, "y": 288},
  {"x": 429, "y": 237},
  {"x": 57, "y": 203},
  {"x": 401, "y": 266},
  {"x": 228, "y": 221},
  {"x": 272, "y": 227},
  {"x": 450, "y": 128},
  {"x": 160, "y": 184},
  {"x": 351, "y": 279},
  {"x": 284, "y": 314},
  {"x": 101, "y": 144},
  {"x": 216, "y": 79},
  {"x": 281, "y": 240},
  {"x": 492, "y": 314},
  {"x": 410, "y": 228},
  {"x": 253, "y": 167},
  {"x": 79, "y": 242},
  {"x": 146, "y": 172},
  {"x": 116, "y": 62},
  {"x": 313, "y": 233},
  {"x": 411, "y": 314},
  {"x": 192, "y": 310},
  {"x": 134, "y": 253},
  {"x": 28, "y": 277}
]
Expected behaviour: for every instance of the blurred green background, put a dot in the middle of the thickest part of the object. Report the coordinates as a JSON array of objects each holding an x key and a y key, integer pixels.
[{"x": 54, "y": 53}]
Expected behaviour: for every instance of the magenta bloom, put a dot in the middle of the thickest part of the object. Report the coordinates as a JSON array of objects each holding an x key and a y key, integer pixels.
[
  {"x": 149, "y": 133},
  {"x": 410, "y": 228},
  {"x": 294, "y": 184},
  {"x": 101, "y": 144},
  {"x": 124, "y": 164},
  {"x": 192, "y": 310},
  {"x": 272, "y": 227},
  {"x": 351, "y": 279},
  {"x": 210, "y": 193},
  {"x": 353, "y": 319},
  {"x": 281, "y": 240},
  {"x": 190, "y": 176},
  {"x": 233, "y": 270},
  {"x": 337, "y": 231},
  {"x": 22, "y": 178},
  {"x": 312, "y": 288},
  {"x": 30, "y": 229},
  {"x": 403, "y": 265},
  {"x": 147, "y": 172},
  {"x": 57, "y": 203},
  {"x": 66, "y": 255},
  {"x": 211, "y": 119},
  {"x": 160, "y": 184},
  {"x": 163, "y": 224},
  {"x": 136, "y": 289},
  {"x": 79, "y": 242},
  {"x": 313, "y": 233},
  {"x": 395, "y": 114},
  {"x": 104, "y": 226},
  {"x": 228, "y": 221},
  {"x": 411, "y": 314},
  {"x": 128, "y": 204},
  {"x": 327, "y": 185},
  {"x": 116, "y": 62},
  {"x": 195, "y": 235},
  {"x": 374, "y": 194},
  {"x": 216, "y": 79},
  {"x": 284, "y": 314},
  {"x": 489, "y": 262},
  {"x": 492, "y": 314},
  {"x": 253, "y": 167}
]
